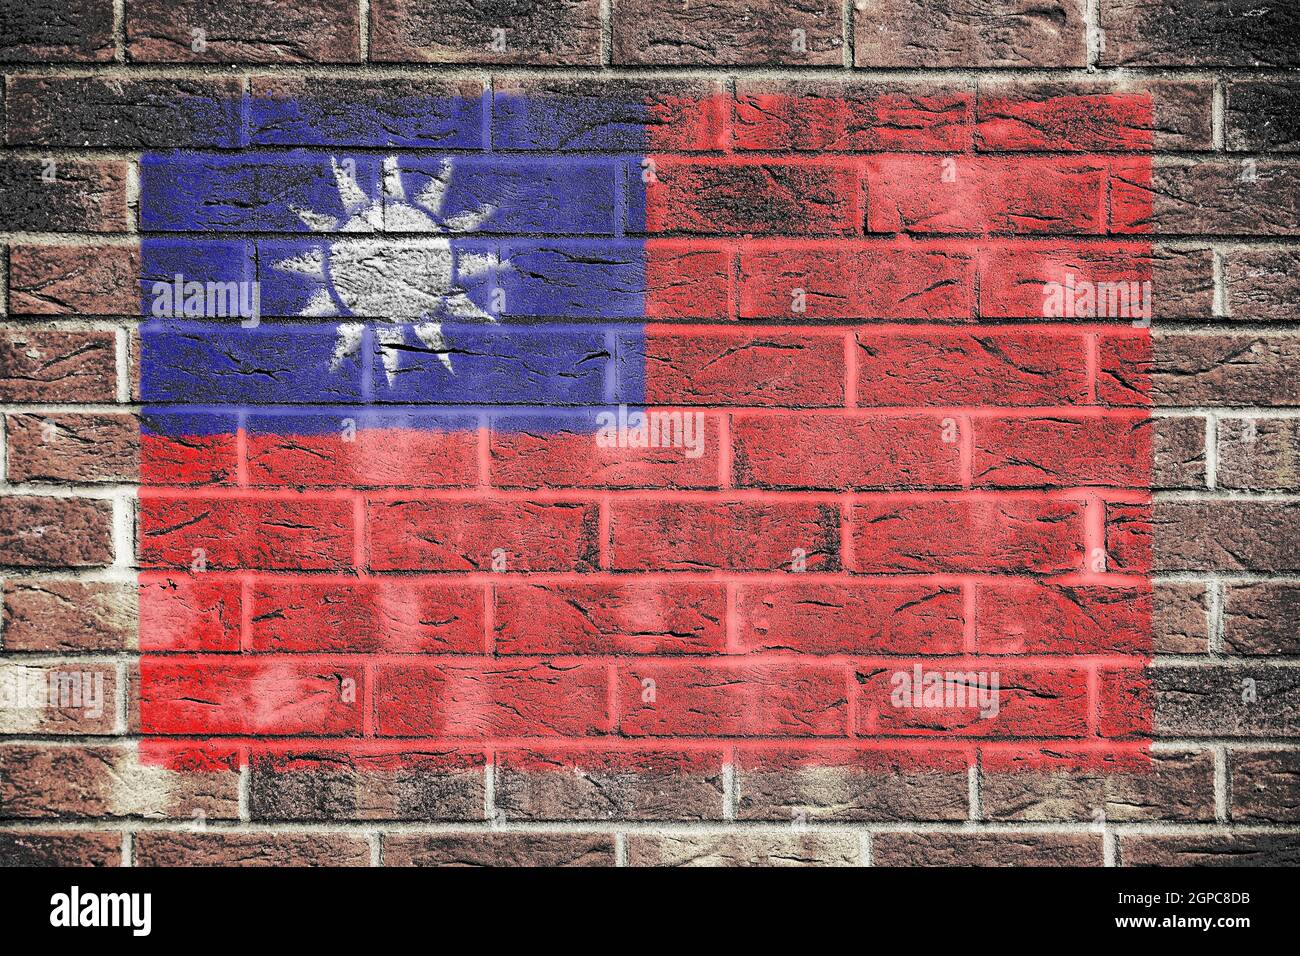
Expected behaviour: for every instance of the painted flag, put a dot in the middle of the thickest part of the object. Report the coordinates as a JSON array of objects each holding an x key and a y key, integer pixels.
[{"x": 553, "y": 428}]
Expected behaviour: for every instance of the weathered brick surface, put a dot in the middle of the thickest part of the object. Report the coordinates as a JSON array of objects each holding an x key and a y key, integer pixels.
[
  {"x": 476, "y": 637},
  {"x": 551, "y": 32},
  {"x": 1007, "y": 33},
  {"x": 49, "y": 614},
  {"x": 993, "y": 849},
  {"x": 60, "y": 195},
  {"x": 1230, "y": 33},
  {"x": 1228, "y": 849},
  {"x": 56, "y": 31},
  {"x": 1262, "y": 116},
  {"x": 741, "y": 849},
  {"x": 216, "y": 848},
  {"x": 242, "y": 31},
  {"x": 60, "y": 848},
  {"x": 499, "y": 849}
]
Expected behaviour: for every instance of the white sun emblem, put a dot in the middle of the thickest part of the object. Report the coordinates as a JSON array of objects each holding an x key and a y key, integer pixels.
[{"x": 412, "y": 285}]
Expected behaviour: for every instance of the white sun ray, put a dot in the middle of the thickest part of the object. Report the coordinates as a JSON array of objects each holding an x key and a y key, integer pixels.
[{"x": 405, "y": 283}]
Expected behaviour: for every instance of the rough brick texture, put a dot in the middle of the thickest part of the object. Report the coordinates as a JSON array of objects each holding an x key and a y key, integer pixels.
[{"x": 983, "y": 318}]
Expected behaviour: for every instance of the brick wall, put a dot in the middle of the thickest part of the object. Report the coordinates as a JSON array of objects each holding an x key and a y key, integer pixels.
[{"x": 790, "y": 138}]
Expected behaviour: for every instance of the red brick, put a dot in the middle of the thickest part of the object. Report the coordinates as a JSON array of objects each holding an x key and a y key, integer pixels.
[
  {"x": 852, "y": 117},
  {"x": 1025, "y": 617},
  {"x": 968, "y": 535},
  {"x": 734, "y": 699},
  {"x": 762, "y": 197},
  {"x": 1058, "y": 451},
  {"x": 363, "y": 458},
  {"x": 295, "y": 532},
  {"x": 857, "y": 618},
  {"x": 484, "y": 699},
  {"x": 466, "y": 535},
  {"x": 743, "y": 367},
  {"x": 399, "y": 616},
  {"x": 811, "y": 450},
  {"x": 273, "y": 697},
  {"x": 1014, "y": 367},
  {"x": 722, "y": 535},
  {"x": 610, "y": 618},
  {"x": 1031, "y": 702},
  {"x": 537, "y": 457},
  {"x": 199, "y": 612},
  {"x": 931, "y": 194}
]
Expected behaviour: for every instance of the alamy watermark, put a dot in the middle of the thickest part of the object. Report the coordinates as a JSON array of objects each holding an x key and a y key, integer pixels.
[
  {"x": 183, "y": 298},
  {"x": 651, "y": 429},
  {"x": 952, "y": 690},
  {"x": 33, "y": 689},
  {"x": 1084, "y": 299}
]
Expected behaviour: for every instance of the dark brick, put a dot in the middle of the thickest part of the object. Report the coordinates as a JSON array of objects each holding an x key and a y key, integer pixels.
[
  {"x": 1180, "y": 622},
  {"x": 1259, "y": 453},
  {"x": 582, "y": 785},
  {"x": 1265, "y": 785},
  {"x": 123, "y": 113},
  {"x": 1224, "y": 369},
  {"x": 791, "y": 786},
  {"x": 537, "y": 32},
  {"x": 83, "y": 280},
  {"x": 1200, "y": 33},
  {"x": 1263, "y": 284},
  {"x": 392, "y": 785},
  {"x": 1228, "y": 849},
  {"x": 1178, "y": 449},
  {"x": 1000, "y": 33},
  {"x": 81, "y": 197},
  {"x": 44, "y": 781},
  {"x": 1263, "y": 116},
  {"x": 1207, "y": 535},
  {"x": 52, "y": 31},
  {"x": 243, "y": 31},
  {"x": 218, "y": 848},
  {"x": 499, "y": 849},
  {"x": 54, "y": 848},
  {"x": 739, "y": 32},
  {"x": 1212, "y": 196},
  {"x": 987, "y": 849},
  {"x": 1261, "y": 618},
  {"x": 1207, "y": 701}
]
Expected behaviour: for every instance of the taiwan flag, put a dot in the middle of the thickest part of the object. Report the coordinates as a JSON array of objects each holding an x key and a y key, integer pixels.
[{"x": 554, "y": 427}]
